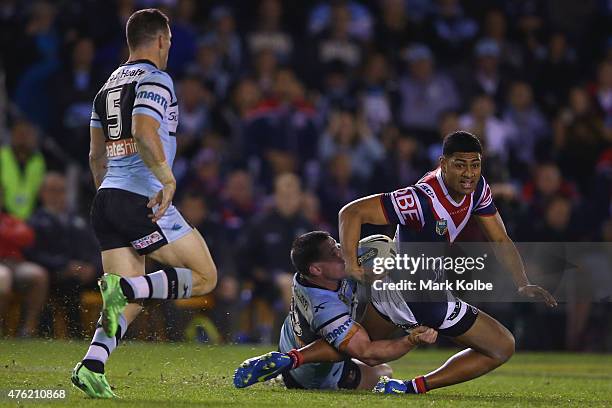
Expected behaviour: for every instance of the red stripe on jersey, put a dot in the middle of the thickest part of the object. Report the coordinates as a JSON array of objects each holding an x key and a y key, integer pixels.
[{"x": 457, "y": 212}]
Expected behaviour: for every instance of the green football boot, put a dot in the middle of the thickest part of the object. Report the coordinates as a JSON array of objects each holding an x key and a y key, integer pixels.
[
  {"x": 91, "y": 383},
  {"x": 114, "y": 302}
]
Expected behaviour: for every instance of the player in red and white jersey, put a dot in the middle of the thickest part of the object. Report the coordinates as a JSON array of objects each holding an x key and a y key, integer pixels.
[{"x": 437, "y": 208}]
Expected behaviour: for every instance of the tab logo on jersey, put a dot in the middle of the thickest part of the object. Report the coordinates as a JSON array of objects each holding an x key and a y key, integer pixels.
[
  {"x": 147, "y": 240},
  {"x": 337, "y": 328},
  {"x": 120, "y": 148},
  {"x": 153, "y": 96},
  {"x": 441, "y": 226}
]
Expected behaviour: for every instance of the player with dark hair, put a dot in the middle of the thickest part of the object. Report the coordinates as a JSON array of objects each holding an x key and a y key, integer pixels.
[
  {"x": 436, "y": 208},
  {"x": 133, "y": 124},
  {"x": 324, "y": 306}
]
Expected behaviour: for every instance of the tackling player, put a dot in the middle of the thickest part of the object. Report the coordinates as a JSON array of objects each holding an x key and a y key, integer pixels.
[
  {"x": 133, "y": 124},
  {"x": 436, "y": 208},
  {"x": 323, "y": 306}
]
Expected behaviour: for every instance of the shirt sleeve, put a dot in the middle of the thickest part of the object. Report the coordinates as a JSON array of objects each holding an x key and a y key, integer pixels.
[
  {"x": 332, "y": 321},
  {"x": 484, "y": 206},
  {"x": 95, "y": 118},
  {"x": 403, "y": 207},
  {"x": 154, "y": 95}
]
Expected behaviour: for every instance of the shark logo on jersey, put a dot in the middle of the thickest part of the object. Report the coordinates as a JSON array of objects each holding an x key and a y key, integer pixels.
[{"x": 441, "y": 227}]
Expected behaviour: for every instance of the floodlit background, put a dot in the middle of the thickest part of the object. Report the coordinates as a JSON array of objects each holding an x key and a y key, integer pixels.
[{"x": 289, "y": 110}]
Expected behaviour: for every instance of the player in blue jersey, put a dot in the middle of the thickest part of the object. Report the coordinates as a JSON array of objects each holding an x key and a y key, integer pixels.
[
  {"x": 324, "y": 306},
  {"x": 133, "y": 144}
]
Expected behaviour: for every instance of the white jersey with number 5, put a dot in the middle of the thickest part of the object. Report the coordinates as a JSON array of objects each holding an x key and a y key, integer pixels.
[{"x": 137, "y": 87}]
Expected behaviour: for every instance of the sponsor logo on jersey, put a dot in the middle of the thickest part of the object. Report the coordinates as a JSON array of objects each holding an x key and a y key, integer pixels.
[
  {"x": 441, "y": 226},
  {"x": 120, "y": 148},
  {"x": 333, "y": 334},
  {"x": 369, "y": 254},
  {"x": 153, "y": 96},
  {"x": 147, "y": 240},
  {"x": 125, "y": 73}
]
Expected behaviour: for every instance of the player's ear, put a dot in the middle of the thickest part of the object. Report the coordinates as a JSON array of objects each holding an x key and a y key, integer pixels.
[
  {"x": 442, "y": 161},
  {"x": 314, "y": 270}
]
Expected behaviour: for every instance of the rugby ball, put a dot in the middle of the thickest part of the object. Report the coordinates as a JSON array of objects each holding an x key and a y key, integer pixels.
[{"x": 374, "y": 246}]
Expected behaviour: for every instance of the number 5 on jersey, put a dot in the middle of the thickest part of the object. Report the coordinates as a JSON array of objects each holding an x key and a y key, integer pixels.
[{"x": 113, "y": 113}]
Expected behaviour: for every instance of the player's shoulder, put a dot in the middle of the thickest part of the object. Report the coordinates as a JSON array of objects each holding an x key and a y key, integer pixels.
[{"x": 157, "y": 77}]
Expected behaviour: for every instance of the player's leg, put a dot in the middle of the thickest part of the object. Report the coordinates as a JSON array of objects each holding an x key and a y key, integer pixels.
[
  {"x": 369, "y": 375},
  {"x": 192, "y": 271},
  {"x": 33, "y": 279},
  {"x": 378, "y": 326},
  {"x": 88, "y": 375},
  {"x": 490, "y": 345}
]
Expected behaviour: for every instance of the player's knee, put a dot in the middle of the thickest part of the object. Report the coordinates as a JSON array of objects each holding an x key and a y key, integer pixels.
[
  {"x": 505, "y": 349},
  {"x": 384, "y": 370},
  {"x": 206, "y": 279}
]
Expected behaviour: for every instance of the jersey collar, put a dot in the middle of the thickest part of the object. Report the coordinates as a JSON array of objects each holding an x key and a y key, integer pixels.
[{"x": 141, "y": 61}]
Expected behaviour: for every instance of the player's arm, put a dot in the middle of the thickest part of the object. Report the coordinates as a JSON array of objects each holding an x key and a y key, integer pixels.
[
  {"x": 151, "y": 150},
  {"x": 506, "y": 252},
  {"x": 366, "y": 210},
  {"x": 377, "y": 352},
  {"x": 97, "y": 155}
]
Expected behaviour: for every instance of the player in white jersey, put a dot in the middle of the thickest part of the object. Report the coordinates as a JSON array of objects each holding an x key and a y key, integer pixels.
[{"x": 133, "y": 124}]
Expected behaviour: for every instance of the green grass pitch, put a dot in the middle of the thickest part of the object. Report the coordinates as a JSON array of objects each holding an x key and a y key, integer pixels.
[{"x": 195, "y": 375}]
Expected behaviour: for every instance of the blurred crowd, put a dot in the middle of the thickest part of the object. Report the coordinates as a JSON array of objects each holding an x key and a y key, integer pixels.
[{"x": 291, "y": 109}]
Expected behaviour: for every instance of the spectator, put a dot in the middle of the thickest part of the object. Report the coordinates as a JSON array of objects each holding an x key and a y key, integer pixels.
[
  {"x": 603, "y": 94},
  {"x": 394, "y": 30},
  {"x": 425, "y": 93},
  {"x": 184, "y": 36},
  {"x": 194, "y": 107},
  {"x": 205, "y": 177},
  {"x": 32, "y": 92},
  {"x": 238, "y": 204},
  {"x": 376, "y": 93},
  {"x": 555, "y": 73},
  {"x": 16, "y": 273},
  {"x": 359, "y": 20},
  {"x": 267, "y": 242},
  {"x": 269, "y": 34},
  {"x": 338, "y": 187},
  {"x": 335, "y": 42},
  {"x": 495, "y": 133},
  {"x": 487, "y": 78},
  {"x": 451, "y": 31},
  {"x": 579, "y": 138},
  {"x": 529, "y": 124},
  {"x": 225, "y": 39},
  {"x": 496, "y": 28},
  {"x": 66, "y": 246},
  {"x": 266, "y": 70},
  {"x": 349, "y": 134},
  {"x": 403, "y": 166},
  {"x": 546, "y": 184},
  {"x": 22, "y": 169},
  {"x": 208, "y": 66}
]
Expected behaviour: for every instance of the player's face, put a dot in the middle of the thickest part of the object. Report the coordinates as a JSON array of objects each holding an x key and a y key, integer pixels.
[
  {"x": 461, "y": 171},
  {"x": 331, "y": 263}
]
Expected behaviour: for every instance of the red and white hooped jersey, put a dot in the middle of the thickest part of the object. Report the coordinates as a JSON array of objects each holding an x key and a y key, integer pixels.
[{"x": 425, "y": 212}]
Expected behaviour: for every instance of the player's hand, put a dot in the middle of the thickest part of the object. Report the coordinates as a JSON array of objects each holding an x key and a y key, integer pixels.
[
  {"x": 354, "y": 270},
  {"x": 163, "y": 199},
  {"x": 533, "y": 291},
  {"x": 423, "y": 335}
]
